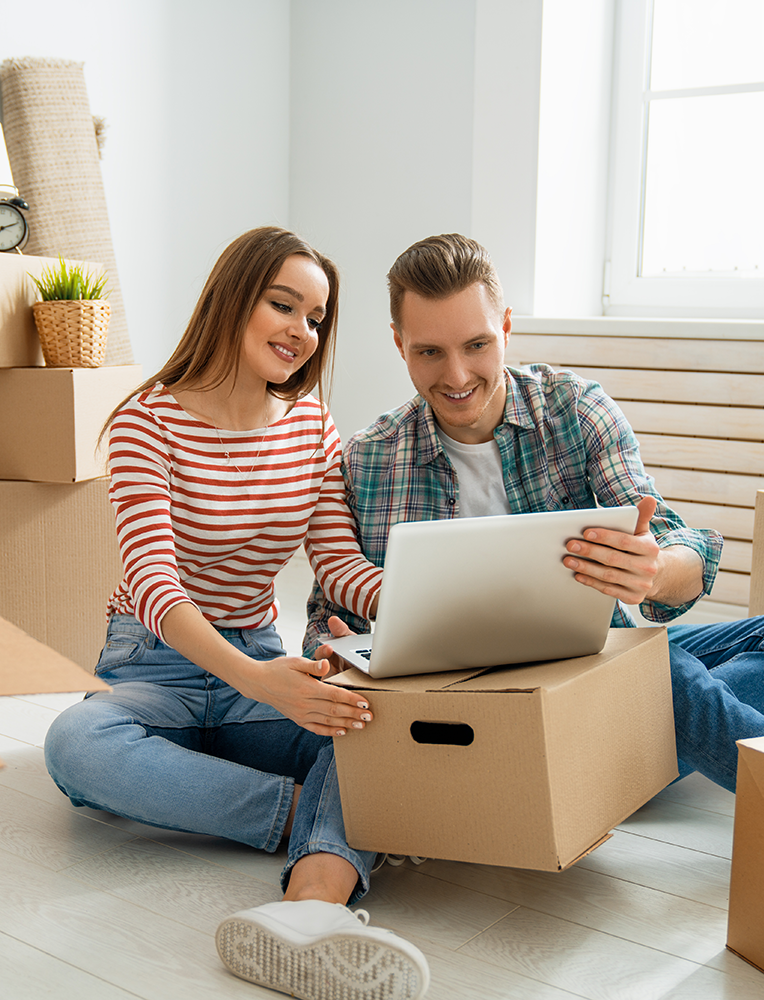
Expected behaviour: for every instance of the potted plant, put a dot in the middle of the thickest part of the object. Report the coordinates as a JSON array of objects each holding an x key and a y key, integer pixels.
[{"x": 73, "y": 317}]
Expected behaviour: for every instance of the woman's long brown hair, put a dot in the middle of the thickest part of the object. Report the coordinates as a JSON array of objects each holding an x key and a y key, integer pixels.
[{"x": 209, "y": 350}]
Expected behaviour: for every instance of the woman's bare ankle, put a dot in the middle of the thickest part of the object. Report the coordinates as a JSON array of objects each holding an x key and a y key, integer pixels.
[{"x": 327, "y": 877}]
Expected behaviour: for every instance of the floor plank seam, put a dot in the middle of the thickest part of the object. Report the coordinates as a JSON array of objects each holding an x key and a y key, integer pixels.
[
  {"x": 615, "y": 878},
  {"x": 487, "y": 926},
  {"x": 71, "y": 965},
  {"x": 521, "y": 975},
  {"x": 93, "y": 856},
  {"x": 145, "y": 906},
  {"x": 673, "y": 843},
  {"x": 210, "y": 861}
]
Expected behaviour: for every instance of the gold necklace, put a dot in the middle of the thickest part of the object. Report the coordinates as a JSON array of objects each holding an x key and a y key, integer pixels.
[{"x": 227, "y": 454}]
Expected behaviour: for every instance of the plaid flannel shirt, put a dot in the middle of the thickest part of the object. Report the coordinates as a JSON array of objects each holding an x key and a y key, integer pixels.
[{"x": 564, "y": 445}]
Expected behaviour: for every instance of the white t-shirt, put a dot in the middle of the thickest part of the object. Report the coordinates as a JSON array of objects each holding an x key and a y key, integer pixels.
[{"x": 480, "y": 476}]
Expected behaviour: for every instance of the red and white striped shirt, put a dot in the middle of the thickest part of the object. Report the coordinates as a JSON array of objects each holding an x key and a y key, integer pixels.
[{"x": 195, "y": 525}]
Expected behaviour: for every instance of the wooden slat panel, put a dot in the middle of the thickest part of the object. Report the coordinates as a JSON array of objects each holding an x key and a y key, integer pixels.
[
  {"x": 736, "y": 556},
  {"x": 746, "y": 357},
  {"x": 707, "y": 487},
  {"x": 722, "y": 389},
  {"x": 732, "y": 522},
  {"x": 732, "y": 588},
  {"x": 703, "y": 453},
  {"x": 743, "y": 423},
  {"x": 756, "y": 604}
]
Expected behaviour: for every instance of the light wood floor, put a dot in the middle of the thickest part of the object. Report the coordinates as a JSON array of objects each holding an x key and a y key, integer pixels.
[{"x": 93, "y": 907}]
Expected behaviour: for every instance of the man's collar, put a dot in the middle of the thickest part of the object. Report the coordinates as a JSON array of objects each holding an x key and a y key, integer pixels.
[
  {"x": 427, "y": 440},
  {"x": 516, "y": 409}
]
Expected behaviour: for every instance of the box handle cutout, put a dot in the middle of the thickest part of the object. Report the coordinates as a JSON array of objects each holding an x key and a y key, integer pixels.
[{"x": 457, "y": 734}]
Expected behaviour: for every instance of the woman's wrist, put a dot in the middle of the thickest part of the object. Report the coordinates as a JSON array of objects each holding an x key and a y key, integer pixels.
[{"x": 187, "y": 631}]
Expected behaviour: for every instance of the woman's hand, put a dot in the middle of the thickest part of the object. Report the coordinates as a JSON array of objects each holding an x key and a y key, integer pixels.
[
  {"x": 294, "y": 686},
  {"x": 291, "y": 684}
]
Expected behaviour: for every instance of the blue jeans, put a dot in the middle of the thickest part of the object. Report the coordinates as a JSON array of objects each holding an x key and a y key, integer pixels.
[
  {"x": 175, "y": 747},
  {"x": 717, "y": 678}
]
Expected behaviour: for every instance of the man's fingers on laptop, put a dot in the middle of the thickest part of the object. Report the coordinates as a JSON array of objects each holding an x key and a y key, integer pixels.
[
  {"x": 339, "y": 628},
  {"x": 628, "y": 576},
  {"x": 646, "y": 507}
]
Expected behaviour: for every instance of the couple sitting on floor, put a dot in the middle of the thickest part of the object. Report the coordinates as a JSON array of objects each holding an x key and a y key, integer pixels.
[{"x": 222, "y": 465}]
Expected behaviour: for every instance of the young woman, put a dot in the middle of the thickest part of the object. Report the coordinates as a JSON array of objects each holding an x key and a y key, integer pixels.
[{"x": 221, "y": 466}]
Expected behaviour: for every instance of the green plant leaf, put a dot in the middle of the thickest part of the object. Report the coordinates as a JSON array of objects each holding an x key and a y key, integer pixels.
[{"x": 69, "y": 281}]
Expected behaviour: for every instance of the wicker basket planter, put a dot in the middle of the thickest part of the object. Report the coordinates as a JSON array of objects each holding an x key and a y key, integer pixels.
[{"x": 73, "y": 332}]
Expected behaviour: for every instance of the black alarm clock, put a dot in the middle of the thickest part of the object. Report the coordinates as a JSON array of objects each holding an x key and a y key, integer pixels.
[{"x": 14, "y": 230}]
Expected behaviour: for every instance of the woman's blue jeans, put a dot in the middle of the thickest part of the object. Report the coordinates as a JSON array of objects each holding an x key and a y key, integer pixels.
[
  {"x": 717, "y": 678},
  {"x": 175, "y": 747}
]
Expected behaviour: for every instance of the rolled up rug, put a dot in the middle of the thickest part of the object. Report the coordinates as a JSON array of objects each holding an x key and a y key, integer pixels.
[{"x": 52, "y": 148}]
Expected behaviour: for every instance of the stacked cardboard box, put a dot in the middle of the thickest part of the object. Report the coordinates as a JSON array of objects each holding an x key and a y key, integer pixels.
[
  {"x": 60, "y": 558},
  {"x": 529, "y": 767},
  {"x": 29, "y": 667},
  {"x": 745, "y": 934}
]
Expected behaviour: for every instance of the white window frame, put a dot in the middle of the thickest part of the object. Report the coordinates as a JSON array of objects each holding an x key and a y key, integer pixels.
[{"x": 625, "y": 293}]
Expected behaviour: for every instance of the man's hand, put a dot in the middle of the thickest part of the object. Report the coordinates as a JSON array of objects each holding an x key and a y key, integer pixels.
[
  {"x": 338, "y": 628},
  {"x": 618, "y": 564},
  {"x": 634, "y": 567}
]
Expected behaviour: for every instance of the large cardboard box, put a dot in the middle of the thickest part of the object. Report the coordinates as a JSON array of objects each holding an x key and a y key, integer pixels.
[
  {"x": 29, "y": 667},
  {"x": 745, "y": 934},
  {"x": 59, "y": 562},
  {"x": 528, "y": 767},
  {"x": 19, "y": 343},
  {"x": 50, "y": 419}
]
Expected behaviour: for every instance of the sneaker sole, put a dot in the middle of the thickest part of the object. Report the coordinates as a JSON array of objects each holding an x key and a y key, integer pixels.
[{"x": 339, "y": 967}]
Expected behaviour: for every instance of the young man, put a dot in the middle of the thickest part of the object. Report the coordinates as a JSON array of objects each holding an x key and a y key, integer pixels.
[{"x": 480, "y": 439}]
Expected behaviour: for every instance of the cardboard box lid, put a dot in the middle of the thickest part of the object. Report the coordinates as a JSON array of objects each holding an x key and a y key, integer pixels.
[
  {"x": 531, "y": 677},
  {"x": 29, "y": 667}
]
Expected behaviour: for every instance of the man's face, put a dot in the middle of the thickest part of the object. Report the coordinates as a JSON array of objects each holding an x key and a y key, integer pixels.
[{"x": 454, "y": 351}]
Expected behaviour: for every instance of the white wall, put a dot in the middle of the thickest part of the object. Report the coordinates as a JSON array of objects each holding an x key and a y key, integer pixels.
[
  {"x": 410, "y": 118},
  {"x": 574, "y": 142},
  {"x": 381, "y": 155},
  {"x": 506, "y": 142},
  {"x": 364, "y": 126},
  {"x": 196, "y": 97}
]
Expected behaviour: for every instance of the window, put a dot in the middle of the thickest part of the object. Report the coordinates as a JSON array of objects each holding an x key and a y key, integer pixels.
[{"x": 687, "y": 195}]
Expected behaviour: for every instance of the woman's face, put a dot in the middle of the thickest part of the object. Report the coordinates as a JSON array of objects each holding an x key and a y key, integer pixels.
[{"x": 282, "y": 333}]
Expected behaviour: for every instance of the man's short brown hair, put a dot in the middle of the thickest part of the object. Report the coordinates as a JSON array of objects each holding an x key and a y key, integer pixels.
[{"x": 440, "y": 266}]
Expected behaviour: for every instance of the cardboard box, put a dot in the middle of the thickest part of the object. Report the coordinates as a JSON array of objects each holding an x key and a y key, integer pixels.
[
  {"x": 51, "y": 419},
  {"x": 528, "y": 767},
  {"x": 19, "y": 343},
  {"x": 60, "y": 562},
  {"x": 745, "y": 934},
  {"x": 28, "y": 667}
]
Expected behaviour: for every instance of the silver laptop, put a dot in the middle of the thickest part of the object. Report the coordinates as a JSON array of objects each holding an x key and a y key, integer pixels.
[{"x": 484, "y": 591}]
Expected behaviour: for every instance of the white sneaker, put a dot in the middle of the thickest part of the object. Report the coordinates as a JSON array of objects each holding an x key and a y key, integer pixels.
[
  {"x": 396, "y": 860},
  {"x": 321, "y": 951}
]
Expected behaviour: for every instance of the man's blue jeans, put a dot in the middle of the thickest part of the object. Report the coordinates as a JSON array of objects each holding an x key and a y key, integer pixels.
[
  {"x": 175, "y": 747},
  {"x": 717, "y": 678}
]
